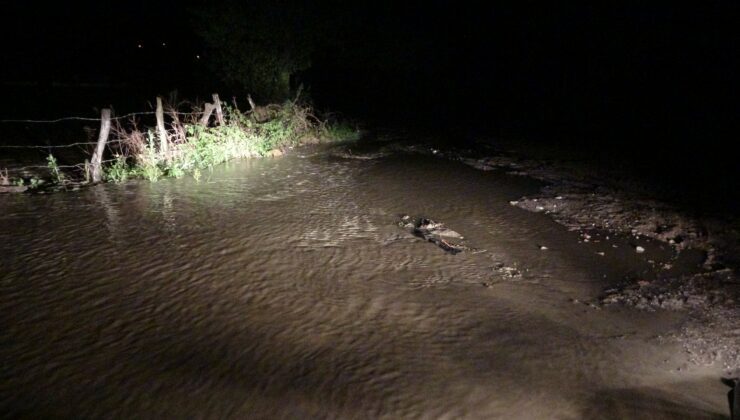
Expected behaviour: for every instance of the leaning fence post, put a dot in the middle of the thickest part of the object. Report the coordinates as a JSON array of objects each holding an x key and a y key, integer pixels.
[
  {"x": 207, "y": 111},
  {"x": 219, "y": 110},
  {"x": 163, "y": 143},
  {"x": 97, "y": 159}
]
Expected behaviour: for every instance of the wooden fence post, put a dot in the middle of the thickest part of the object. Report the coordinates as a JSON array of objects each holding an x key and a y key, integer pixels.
[
  {"x": 163, "y": 142},
  {"x": 207, "y": 111},
  {"x": 97, "y": 159},
  {"x": 219, "y": 110}
]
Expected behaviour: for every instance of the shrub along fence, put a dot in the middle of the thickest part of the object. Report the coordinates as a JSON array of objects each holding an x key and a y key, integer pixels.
[{"x": 181, "y": 143}]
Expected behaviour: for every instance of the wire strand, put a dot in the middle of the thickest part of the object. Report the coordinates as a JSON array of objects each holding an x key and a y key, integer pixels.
[
  {"x": 88, "y": 118},
  {"x": 79, "y": 165},
  {"x": 15, "y": 146}
]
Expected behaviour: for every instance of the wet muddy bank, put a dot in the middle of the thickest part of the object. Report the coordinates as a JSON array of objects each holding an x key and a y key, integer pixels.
[{"x": 599, "y": 203}]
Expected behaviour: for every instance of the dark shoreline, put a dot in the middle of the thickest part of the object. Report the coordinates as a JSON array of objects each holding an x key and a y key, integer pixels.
[{"x": 584, "y": 198}]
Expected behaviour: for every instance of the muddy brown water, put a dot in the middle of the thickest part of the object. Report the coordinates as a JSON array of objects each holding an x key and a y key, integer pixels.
[{"x": 283, "y": 288}]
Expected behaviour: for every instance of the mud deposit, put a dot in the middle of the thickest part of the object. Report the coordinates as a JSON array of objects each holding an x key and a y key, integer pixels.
[{"x": 284, "y": 288}]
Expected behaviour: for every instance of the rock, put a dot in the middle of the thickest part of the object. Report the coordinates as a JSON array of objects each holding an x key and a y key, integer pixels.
[{"x": 639, "y": 249}]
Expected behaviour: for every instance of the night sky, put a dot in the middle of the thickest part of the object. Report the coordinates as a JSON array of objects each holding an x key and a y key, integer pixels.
[
  {"x": 643, "y": 79},
  {"x": 93, "y": 41}
]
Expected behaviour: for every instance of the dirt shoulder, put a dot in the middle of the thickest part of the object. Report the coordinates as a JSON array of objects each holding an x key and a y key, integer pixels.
[
  {"x": 584, "y": 196},
  {"x": 582, "y": 199}
]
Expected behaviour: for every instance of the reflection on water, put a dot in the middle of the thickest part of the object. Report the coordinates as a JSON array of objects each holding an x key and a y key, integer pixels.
[{"x": 283, "y": 288}]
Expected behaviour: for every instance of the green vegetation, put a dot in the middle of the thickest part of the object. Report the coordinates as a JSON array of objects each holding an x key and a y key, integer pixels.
[
  {"x": 193, "y": 147},
  {"x": 56, "y": 174},
  {"x": 342, "y": 132},
  {"x": 118, "y": 171},
  {"x": 32, "y": 184},
  {"x": 13, "y": 184}
]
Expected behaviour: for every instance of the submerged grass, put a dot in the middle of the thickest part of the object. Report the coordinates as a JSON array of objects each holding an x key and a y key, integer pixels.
[{"x": 342, "y": 132}]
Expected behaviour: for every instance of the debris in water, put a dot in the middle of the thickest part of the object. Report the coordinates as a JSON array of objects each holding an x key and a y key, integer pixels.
[
  {"x": 434, "y": 232},
  {"x": 506, "y": 271}
]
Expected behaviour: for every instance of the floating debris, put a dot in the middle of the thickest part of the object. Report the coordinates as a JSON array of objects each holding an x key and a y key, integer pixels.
[
  {"x": 434, "y": 232},
  {"x": 506, "y": 271}
]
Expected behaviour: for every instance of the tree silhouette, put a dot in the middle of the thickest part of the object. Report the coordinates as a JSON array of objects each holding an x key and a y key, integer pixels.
[{"x": 257, "y": 46}]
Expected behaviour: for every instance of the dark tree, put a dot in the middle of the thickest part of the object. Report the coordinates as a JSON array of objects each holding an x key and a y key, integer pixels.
[{"x": 259, "y": 45}]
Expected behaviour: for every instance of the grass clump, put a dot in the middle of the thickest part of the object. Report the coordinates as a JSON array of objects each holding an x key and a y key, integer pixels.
[
  {"x": 194, "y": 146},
  {"x": 342, "y": 132},
  {"x": 57, "y": 175},
  {"x": 118, "y": 171}
]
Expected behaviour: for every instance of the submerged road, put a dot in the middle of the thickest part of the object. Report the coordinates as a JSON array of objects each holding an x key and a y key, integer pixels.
[{"x": 283, "y": 288}]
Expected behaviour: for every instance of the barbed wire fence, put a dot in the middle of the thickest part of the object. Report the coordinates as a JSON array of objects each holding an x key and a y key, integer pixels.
[
  {"x": 58, "y": 120},
  {"x": 105, "y": 120},
  {"x": 80, "y": 166}
]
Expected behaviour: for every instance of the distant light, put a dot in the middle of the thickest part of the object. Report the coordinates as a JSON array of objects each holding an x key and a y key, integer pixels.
[
  {"x": 164, "y": 44},
  {"x": 140, "y": 46},
  {"x": 197, "y": 57}
]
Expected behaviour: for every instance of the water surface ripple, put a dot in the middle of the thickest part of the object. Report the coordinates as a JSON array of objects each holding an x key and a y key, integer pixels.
[{"x": 282, "y": 288}]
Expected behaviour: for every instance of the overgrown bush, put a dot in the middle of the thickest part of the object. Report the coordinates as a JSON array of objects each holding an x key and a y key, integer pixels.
[
  {"x": 193, "y": 146},
  {"x": 118, "y": 171}
]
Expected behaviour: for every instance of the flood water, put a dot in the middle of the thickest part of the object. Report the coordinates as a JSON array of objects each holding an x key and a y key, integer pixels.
[{"x": 283, "y": 288}]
